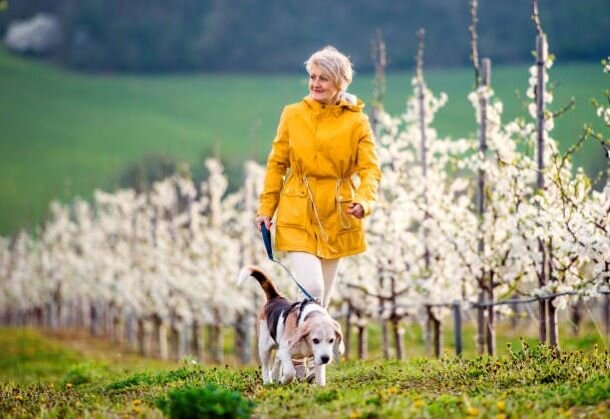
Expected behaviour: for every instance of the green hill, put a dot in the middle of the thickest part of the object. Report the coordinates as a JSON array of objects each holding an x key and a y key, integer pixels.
[{"x": 63, "y": 134}]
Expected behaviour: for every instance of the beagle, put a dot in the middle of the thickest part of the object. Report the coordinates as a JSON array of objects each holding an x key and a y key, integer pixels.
[{"x": 296, "y": 330}]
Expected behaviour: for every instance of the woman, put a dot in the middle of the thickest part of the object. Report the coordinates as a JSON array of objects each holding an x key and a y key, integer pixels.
[{"x": 321, "y": 143}]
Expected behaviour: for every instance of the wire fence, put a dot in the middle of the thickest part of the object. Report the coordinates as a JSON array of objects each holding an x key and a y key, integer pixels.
[{"x": 460, "y": 307}]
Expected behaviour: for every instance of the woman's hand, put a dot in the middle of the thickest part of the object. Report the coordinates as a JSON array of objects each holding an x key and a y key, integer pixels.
[
  {"x": 356, "y": 210},
  {"x": 263, "y": 219}
]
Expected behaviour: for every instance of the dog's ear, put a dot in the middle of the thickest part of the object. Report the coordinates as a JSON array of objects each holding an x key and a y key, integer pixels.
[
  {"x": 300, "y": 333},
  {"x": 339, "y": 345}
]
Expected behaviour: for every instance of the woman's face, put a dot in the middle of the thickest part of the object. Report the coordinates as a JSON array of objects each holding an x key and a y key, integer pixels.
[{"x": 321, "y": 87}]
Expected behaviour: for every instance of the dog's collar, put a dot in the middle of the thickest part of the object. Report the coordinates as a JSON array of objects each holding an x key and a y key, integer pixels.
[{"x": 307, "y": 307}]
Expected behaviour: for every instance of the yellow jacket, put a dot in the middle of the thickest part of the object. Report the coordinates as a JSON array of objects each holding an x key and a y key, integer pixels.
[{"x": 317, "y": 150}]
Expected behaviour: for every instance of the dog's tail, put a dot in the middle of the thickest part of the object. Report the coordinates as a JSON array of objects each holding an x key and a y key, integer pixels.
[{"x": 262, "y": 278}]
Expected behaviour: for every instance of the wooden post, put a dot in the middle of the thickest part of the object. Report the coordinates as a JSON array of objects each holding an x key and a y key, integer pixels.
[
  {"x": 606, "y": 315},
  {"x": 378, "y": 55},
  {"x": 421, "y": 89},
  {"x": 485, "y": 327},
  {"x": 541, "y": 53},
  {"x": 432, "y": 329},
  {"x": 491, "y": 327},
  {"x": 457, "y": 327},
  {"x": 347, "y": 335}
]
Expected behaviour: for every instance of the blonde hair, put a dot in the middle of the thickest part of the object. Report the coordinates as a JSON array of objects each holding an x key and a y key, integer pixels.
[{"x": 337, "y": 66}]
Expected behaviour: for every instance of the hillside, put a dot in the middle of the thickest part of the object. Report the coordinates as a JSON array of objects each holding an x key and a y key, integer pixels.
[{"x": 63, "y": 133}]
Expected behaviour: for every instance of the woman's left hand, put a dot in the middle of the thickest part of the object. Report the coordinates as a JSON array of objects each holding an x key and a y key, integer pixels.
[{"x": 356, "y": 210}]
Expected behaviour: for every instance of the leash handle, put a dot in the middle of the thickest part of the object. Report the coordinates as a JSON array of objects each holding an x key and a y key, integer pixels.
[{"x": 267, "y": 240}]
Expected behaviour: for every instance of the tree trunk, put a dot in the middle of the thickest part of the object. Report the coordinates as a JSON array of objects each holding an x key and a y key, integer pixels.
[
  {"x": 347, "y": 335},
  {"x": 385, "y": 344},
  {"x": 385, "y": 341},
  {"x": 163, "y": 338},
  {"x": 215, "y": 339},
  {"x": 155, "y": 332},
  {"x": 434, "y": 339},
  {"x": 243, "y": 337},
  {"x": 362, "y": 338},
  {"x": 141, "y": 337},
  {"x": 196, "y": 345},
  {"x": 398, "y": 341},
  {"x": 130, "y": 332},
  {"x": 181, "y": 338}
]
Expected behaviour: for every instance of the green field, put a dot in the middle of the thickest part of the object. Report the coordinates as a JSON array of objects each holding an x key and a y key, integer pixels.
[
  {"x": 63, "y": 134},
  {"x": 72, "y": 375}
]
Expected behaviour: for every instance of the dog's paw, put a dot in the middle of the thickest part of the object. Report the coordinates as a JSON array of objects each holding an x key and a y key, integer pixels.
[{"x": 288, "y": 376}]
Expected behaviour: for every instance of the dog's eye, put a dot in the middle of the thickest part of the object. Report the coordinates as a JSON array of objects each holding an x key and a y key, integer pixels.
[
  {"x": 331, "y": 340},
  {"x": 316, "y": 341}
]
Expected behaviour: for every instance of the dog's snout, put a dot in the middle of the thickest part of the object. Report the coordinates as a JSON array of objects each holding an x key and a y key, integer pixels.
[{"x": 325, "y": 359}]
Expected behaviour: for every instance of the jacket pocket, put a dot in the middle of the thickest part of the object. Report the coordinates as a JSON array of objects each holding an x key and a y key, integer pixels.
[
  {"x": 344, "y": 198},
  {"x": 292, "y": 208}
]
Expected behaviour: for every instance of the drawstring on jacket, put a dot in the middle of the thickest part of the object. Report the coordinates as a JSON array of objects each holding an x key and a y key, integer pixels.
[
  {"x": 315, "y": 210},
  {"x": 343, "y": 218}
]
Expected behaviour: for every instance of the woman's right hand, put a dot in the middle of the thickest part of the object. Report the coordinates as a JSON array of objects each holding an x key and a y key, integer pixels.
[{"x": 263, "y": 219}]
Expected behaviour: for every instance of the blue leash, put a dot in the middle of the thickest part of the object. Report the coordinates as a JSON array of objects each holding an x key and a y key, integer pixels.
[{"x": 267, "y": 240}]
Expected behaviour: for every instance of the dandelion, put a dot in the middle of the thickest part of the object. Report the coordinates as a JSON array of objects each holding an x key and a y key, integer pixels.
[
  {"x": 392, "y": 390},
  {"x": 472, "y": 411},
  {"x": 501, "y": 405},
  {"x": 419, "y": 404}
]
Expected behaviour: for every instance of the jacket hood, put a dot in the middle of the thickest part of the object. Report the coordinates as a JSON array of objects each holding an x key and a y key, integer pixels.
[{"x": 346, "y": 100}]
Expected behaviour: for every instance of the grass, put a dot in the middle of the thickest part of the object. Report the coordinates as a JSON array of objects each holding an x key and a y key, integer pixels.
[
  {"x": 72, "y": 375},
  {"x": 64, "y": 134}
]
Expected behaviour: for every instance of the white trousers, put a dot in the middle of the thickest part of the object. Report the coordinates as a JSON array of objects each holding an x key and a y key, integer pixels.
[{"x": 316, "y": 275}]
